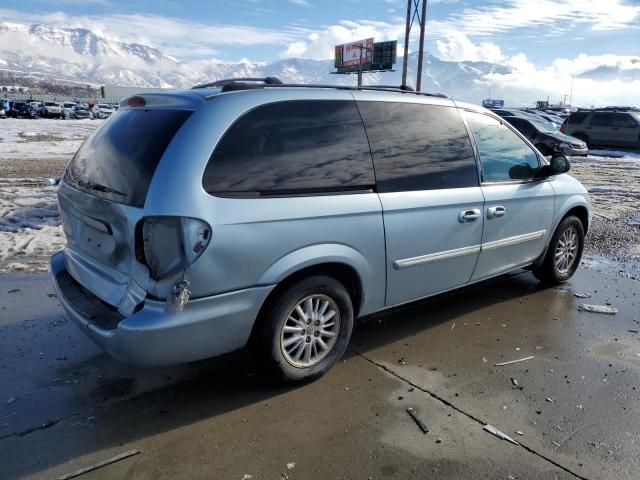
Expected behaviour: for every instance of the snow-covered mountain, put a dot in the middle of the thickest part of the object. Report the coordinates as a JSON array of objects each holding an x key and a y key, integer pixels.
[
  {"x": 78, "y": 55},
  {"x": 43, "y": 56}
]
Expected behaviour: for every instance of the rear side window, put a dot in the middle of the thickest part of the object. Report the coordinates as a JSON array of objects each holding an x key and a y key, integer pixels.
[
  {"x": 602, "y": 120},
  {"x": 624, "y": 120},
  {"x": 504, "y": 156},
  {"x": 577, "y": 118},
  {"x": 118, "y": 160},
  {"x": 418, "y": 147},
  {"x": 293, "y": 147}
]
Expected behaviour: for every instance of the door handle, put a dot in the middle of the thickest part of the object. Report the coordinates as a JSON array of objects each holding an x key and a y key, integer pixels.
[
  {"x": 497, "y": 211},
  {"x": 470, "y": 215}
]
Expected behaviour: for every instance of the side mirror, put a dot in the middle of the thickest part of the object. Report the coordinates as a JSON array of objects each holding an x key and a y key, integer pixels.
[{"x": 557, "y": 165}]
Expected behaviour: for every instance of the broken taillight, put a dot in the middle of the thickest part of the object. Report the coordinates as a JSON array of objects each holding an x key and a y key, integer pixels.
[{"x": 170, "y": 245}]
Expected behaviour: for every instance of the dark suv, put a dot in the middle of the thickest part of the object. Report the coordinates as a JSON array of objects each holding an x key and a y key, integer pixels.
[{"x": 606, "y": 128}]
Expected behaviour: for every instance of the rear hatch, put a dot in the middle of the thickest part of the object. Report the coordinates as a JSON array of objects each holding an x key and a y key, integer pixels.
[{"x": 102, "y": 197}]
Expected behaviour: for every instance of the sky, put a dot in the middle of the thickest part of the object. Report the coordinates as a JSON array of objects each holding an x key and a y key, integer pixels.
[{"x": 545, "y": 40}]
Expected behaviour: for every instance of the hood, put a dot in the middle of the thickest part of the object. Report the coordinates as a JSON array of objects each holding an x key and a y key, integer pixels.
[{"x": 563, "y": 138}]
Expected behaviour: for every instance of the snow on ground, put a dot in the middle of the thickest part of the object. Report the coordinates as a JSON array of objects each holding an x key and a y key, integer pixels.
[
  {"x": 43, "y": 138},
  {"x": 612, "y": 178},
  {"x": 29, "y": 224}
]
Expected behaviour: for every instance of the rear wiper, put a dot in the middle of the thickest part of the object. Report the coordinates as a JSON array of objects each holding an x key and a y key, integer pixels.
[{"x": 100, "y": 188}]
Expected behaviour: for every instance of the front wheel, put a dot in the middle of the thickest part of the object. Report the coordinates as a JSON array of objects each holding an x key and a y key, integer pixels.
[
  {"x": 306, "y": 330},
  {"x": 564, "y": 252}
]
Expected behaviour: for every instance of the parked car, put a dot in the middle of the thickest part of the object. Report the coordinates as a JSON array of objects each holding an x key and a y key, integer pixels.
[
  {"x": 79, "y": 113},
  {"x": 605, "y": 128},
  {"x": 546, "y": 139},
  {"x": 67, "y": 108},
  {"x": 245, "y": 213},
  {"x": 103, "y": 110},
  {"x": 52, "y": 110},
  {"x": 3, "y": 113},
  {"x": 556, "y": 120},
  {"x": 22, "y": 110},
  {"x": 504, "y": 113}
]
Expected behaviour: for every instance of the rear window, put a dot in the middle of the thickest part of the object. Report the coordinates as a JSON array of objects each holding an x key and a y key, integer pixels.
[
  {"x": 293, "y": 147},
  {"x": 577, "y": 118},
  {"x": 118, "y": 160}
]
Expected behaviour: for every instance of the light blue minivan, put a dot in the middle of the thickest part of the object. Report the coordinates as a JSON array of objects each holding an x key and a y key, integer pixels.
[{"x": 255, "y": 212}]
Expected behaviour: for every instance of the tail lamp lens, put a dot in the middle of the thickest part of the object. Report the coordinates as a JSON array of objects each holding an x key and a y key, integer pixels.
[{"x": 172, "y": 244}]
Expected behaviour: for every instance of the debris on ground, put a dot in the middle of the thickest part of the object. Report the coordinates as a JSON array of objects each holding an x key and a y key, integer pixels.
[
  {"x": 484, "y": 360},
  {"x": 598, "y": 309},
  {"x": 14, "y": 290},
  {"x": 582, "y": 295},
  {"x": 246, "y": 476},
  {"x": 494, "y": 431},
  {"x": 556, "y": 444},
  {"x": 402, "y": 361},
  {"x": 634, "y": 331},
  {"x": 550, "y": 400},
  {"x": 516, "y": 384},
  {"x": 98, "y": 465},
  {"x": 519, "y": 432},
  {"x": 502, "y": 364},
  {"x": 561, "y": 290},
  {"x": 421, "y": 425},
  {"x": 291, "y": 465},
  {"x": 453, "y": 325},
  {"x": 11, "y": 400}
]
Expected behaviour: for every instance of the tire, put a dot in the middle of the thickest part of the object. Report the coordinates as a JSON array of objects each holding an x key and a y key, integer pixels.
[
  {"x": 584, "y": 138},
  {"x": 272, "y": 338},
  {"x": 555, "y": 272},
  {"x": 543, "y": 149}
]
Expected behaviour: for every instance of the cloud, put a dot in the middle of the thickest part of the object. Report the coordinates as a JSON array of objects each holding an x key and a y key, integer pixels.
[
  {"x": 169, "y": 34},
  {"x": 553, "y": 14},
  {"x": 561, "y": 78},
  {"x": 458, "y": 47},
  {"x": 303, "y": 3},
  {"x": 319, "y": 45}
]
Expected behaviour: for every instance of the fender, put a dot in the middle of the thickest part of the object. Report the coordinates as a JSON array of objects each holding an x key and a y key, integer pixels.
[
  {"x": 564, "y": 202},
  {"x": 373, "y": 289}
]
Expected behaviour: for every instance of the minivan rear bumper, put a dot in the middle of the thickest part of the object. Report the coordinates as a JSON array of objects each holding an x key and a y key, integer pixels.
[{"x": 206, "y": 327}]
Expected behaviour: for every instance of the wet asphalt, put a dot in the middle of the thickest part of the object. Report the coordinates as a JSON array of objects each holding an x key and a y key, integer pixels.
[{"x": 64, "y": 405}]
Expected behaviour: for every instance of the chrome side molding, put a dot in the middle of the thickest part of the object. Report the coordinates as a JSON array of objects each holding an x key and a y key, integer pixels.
[
  {"x": 515, "y": 240},
  {"x": 436, "y": 257},
  {"x": 473, "y": 249}
]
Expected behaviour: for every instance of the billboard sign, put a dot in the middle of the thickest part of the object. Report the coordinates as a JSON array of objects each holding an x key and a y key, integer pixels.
[
  {"x": 351, "y": 55},
  {"x": 491, "y": 103}
]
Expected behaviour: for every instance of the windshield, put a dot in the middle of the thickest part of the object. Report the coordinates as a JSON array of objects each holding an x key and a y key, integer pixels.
[
  {"x": 118, "y": 160},
  {"x": 542, "y": 125}
]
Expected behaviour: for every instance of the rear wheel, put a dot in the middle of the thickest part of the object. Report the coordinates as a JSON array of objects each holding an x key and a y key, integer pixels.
[
  {"x": 306, "y": 330},
  {"x": 564, "y": 253}
]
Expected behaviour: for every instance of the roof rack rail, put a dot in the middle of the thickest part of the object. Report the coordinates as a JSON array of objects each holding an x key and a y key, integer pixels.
[
  {"x": 380, "y": 88},
  {"x": 229, "y": 81},
  {"x": 233, "y": 84}
]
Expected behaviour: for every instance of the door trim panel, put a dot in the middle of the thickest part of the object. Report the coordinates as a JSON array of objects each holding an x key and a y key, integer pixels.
[{"x": 461, "y": 252}]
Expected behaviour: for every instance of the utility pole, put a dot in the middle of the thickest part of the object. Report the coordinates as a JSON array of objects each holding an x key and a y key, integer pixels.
[
  {"x": 416, "y": 10},
  {"x": 571, "y": 92},
  {"x": 360, "y": 69},
  {"x": 407, "y": 29}
]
